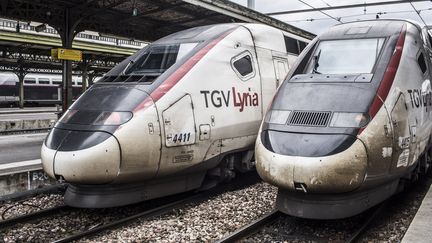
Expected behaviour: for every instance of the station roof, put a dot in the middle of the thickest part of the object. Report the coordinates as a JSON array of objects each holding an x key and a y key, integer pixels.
[{"x": 146, "y": 20}]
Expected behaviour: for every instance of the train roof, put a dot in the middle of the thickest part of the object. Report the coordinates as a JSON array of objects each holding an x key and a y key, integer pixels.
[
  {"x": 196, "y": 34},
  {"x": 210, "y": 31},
  {"x": 366, "y": 29}
]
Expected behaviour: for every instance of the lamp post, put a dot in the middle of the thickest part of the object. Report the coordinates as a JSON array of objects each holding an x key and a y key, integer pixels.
[{"x": 251, "y": 4}]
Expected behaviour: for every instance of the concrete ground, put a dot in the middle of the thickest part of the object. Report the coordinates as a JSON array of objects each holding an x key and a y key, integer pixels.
[{"x": 420, "y": 229}]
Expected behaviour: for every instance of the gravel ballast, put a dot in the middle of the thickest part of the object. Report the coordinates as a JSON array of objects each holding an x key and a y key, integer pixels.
[{"x": 203, "y": 222}]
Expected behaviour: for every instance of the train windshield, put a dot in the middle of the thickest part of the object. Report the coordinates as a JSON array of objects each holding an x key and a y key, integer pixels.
[
  {"x": 352, "y": 56},
  {"x": 158, "y": 58}
]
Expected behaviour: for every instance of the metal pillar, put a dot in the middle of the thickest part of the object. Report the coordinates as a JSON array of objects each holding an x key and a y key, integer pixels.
[
  {"x": 67, "y": 35},
  {"x": 21, "y": 76},
  {"x": 91, "y": 77},
  {"x": 21, "y": 72},
  {"x": 84, "y": 69}
]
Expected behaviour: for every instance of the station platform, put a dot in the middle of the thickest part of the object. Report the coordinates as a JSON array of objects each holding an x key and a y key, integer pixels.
[
  {"x": 20, "y": 163},
  {"x": 14, "y": 119},
  {"x": 52, "y": 109},
  {"x": 420, "y": 229},
  {"x": 23, "y": 147},
  {"x": 20, "y": 167}
]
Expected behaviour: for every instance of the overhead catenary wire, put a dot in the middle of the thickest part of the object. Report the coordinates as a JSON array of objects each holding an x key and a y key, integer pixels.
[
  {"x": 326, "y": 3},
  {"x": 357, "y": 15},
  {"x": 360, "y": 5},
  {"x": 307, "y": 4}
]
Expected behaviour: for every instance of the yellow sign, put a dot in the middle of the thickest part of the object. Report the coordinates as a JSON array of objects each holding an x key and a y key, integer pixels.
[{"x": 66, "y": 54}]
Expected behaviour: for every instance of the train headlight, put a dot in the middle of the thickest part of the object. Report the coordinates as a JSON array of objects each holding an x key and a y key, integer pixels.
[
  {"x": 348, "y": 119},
  {"x": 278, "y": 116},
  {"x": 107, "y": 118}
]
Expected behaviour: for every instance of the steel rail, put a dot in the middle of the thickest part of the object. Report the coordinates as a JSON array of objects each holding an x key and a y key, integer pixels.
[
  {"x": 251, "y": 228},
  {"x": 33, "y": 216},
  {"x": 371, "y": 217}
]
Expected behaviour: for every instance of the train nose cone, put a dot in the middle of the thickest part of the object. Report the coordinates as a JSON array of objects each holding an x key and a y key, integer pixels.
[
  {"x": 335, "y": 173},
  {"x": 82, "y": 157},
  {"x": 95, "y": 165}
]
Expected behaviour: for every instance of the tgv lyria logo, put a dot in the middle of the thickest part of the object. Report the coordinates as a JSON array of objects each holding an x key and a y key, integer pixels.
[{"x": 220, "y": 98}]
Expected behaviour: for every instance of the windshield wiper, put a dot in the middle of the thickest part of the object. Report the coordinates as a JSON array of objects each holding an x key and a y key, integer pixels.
[
  {"x": 131, "y": 62},
  {"x": 316, "y": 63}
]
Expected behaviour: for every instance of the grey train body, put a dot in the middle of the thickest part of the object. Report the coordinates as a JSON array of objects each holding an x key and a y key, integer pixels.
[
  {"x": 180, "y": 114},
  {"x": 352, "y": 121}
]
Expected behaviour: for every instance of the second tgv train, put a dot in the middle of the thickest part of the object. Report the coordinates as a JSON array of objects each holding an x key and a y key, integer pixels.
[
  {"x": 181, "y": 114},
  {"x": 352, "y": 122},
  {"x": 39, "y": 89}
]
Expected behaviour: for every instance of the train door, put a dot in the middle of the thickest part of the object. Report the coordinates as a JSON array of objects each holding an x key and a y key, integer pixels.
[
  {"x": 273, "y": 69},
  {"x": 281, "y": 69},
  {"x": 178, "y": 123}
]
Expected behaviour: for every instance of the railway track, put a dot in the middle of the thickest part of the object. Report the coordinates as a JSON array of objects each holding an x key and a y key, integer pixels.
[
  {"x": 270, "y": 217},
  {"x": 113, "y": 219},
  {"x": 154, "y": 212},
  {"x": 35, "y": 216},
  {"x": 146, "y": 214},
  {"x": 251, "y": 228},
  {"x": 371, "y": 217}
]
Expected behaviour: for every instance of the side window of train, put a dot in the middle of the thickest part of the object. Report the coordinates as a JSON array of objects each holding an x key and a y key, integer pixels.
[
  {"x": 281, "y": 69},
  {"x": 243, "y": 66},
  {"x": 29, "y": 81},
  {"x": 422, "y": 63},
  {"x": 43, "y": 81},
  {"x": 57, "y": 81}
]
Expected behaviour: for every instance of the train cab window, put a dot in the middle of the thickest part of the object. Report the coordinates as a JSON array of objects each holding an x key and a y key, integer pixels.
[
  {"x": 242, "y": 65},
  {"x": 352, "y": 56},
  {"x": 302, "y": 45},
  {"x": 422, "y": 62},
  {"x": 43, "y": 81},
  {"x": 29, "y": 81},
  {"x": 158, "y": 58}
]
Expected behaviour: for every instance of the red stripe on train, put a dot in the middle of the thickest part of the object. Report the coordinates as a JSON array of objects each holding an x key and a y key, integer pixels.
[{"x": 172, "y": 80}]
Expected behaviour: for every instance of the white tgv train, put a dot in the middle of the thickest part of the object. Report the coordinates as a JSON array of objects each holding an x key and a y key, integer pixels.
[
  {"x": 352, "y": 123},
  {"x": 178, "y": 115}
]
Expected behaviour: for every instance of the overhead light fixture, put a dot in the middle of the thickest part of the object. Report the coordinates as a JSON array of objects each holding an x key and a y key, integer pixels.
[
  {"x": 134, "y": 11},
  {"x": 40, "y": 28}
]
